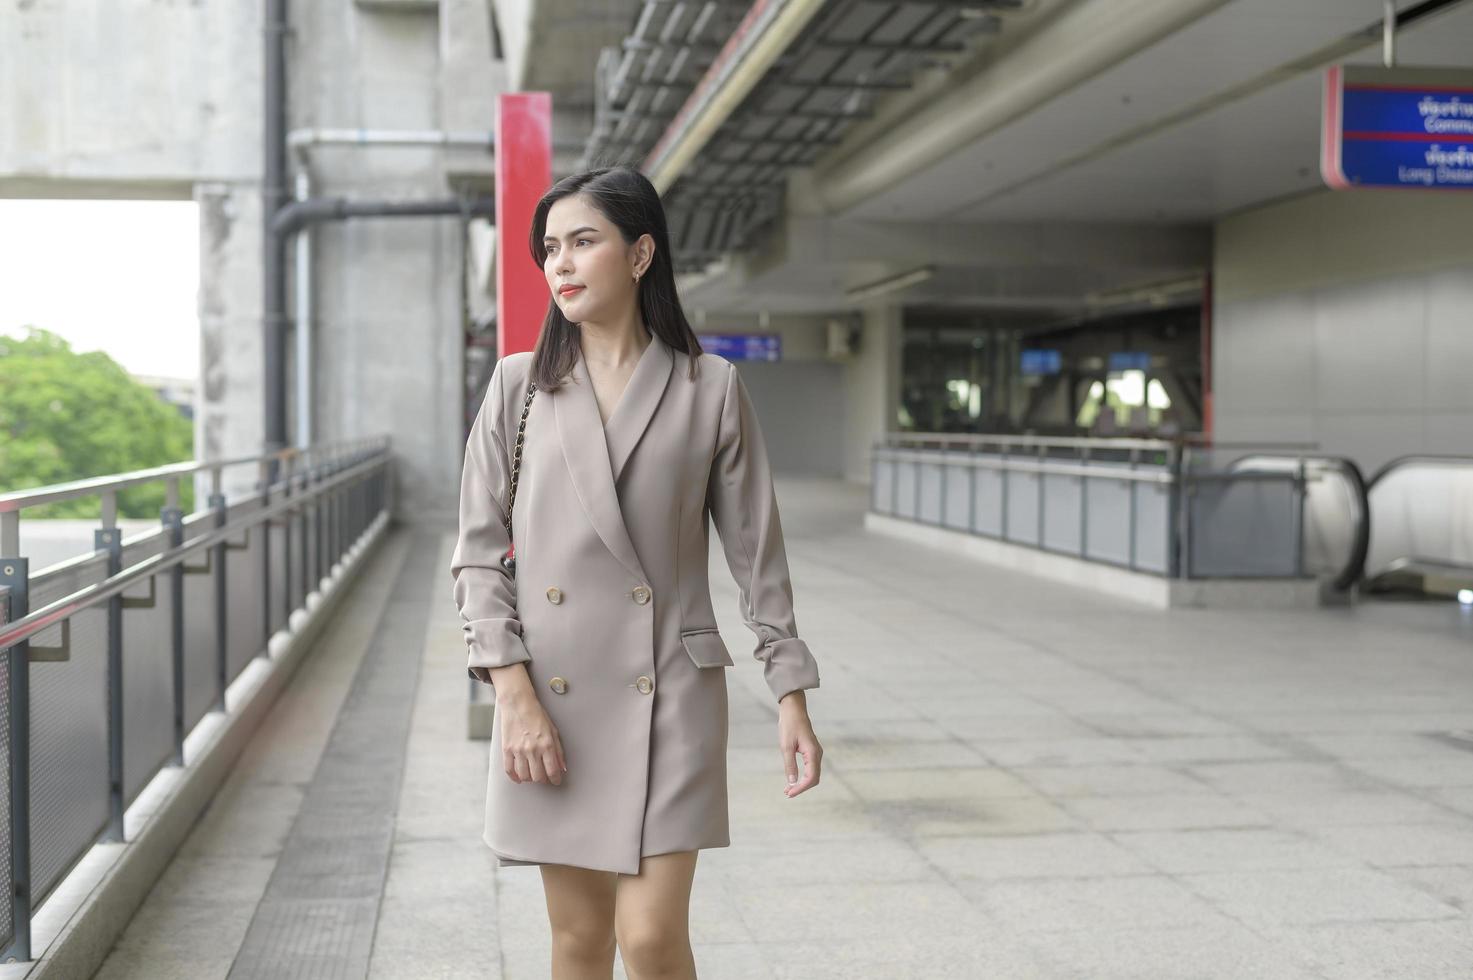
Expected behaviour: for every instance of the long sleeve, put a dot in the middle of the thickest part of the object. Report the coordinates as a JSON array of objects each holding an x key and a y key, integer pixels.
[
  {"x": 744, "y": 508},
  {"x": 484, "y": 592}
]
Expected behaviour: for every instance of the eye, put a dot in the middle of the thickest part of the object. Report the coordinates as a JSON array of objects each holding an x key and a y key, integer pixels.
[{"x": 588, "y": 240}]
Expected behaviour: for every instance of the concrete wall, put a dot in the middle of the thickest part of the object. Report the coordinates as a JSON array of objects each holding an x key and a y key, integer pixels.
[
  {"x": 1342, "y": 318},
  {"x": 800, "y": 399},
  {"x": 148, "y": 101}
]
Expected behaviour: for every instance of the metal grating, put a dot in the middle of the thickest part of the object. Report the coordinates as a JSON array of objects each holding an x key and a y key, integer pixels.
[
  {"x": 245, "y": 629},
  {"x": 6, "y": 903},
  {"x": 148, "y": 675},
  {"x": 849, "y": 56},
  {"x": 69, "y": 775},
  {"x": 318, "y": 915},
  {"x": 200, "y": 684}
]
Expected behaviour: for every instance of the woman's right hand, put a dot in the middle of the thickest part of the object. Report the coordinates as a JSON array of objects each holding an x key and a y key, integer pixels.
[{"x": 531, "y": 748}]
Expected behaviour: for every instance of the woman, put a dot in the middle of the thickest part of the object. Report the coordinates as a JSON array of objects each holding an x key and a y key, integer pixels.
[{"x": 608, "y": 761}]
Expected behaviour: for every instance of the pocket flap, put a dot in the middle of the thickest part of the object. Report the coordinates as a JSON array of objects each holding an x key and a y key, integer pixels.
[{"x": 706, "y": 648}]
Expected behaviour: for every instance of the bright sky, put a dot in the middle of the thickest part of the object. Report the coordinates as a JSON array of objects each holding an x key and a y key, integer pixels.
[{"x": 118, "y": 276}]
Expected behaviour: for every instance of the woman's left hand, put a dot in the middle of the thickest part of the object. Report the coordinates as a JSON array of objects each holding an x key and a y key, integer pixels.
[{"x": 795, "y": 737}]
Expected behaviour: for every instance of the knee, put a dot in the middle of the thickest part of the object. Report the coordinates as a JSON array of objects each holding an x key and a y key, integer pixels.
[
  {"x": 584, "y": 942},
  {"x": 651, "y": 951}
]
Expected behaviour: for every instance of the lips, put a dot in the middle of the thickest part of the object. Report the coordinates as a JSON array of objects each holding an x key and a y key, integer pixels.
[{"x": 568, "y": 290}]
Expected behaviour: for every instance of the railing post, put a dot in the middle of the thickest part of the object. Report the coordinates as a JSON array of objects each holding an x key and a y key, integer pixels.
[
  {"x": 15, "y": 575},
  {"x": 319, "y": 530},
  {"x": 1301, "y": 490},
  {"x": 288, "y": 492},
  {"x": 1181, "y": 517},
  {"x": 172, "y": 517},
  {"x": 264, "y": 469},
  {"x": 302, "y": 532},
  {"x": 1006, "y": 481},
  {"x": 1084, "y": 504},
  {"x": 972, "y": 488},
  {"x": 109, "y": 539},
  {"x": 1134, "y": 485},
  {"x": 222, "y": 595},
  {"x": 1042, "y": 500}
]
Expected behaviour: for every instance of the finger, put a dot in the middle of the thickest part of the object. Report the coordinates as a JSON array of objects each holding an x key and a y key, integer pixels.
[
  {"x": 562, "y": 760},
  {"x": 790, "y": 765},
  {"x": 552, "y": 766},
  {"x": 810, "y": 776},
  {"x": 524, "y": 772},
  {"x": 534, "y": 763},
  {"x": 509, "y": 766}
]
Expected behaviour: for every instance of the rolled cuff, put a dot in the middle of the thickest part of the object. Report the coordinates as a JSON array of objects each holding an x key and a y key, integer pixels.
[
  {"x": 788, "y": 665},
  {"x": 492, "y": 643}
]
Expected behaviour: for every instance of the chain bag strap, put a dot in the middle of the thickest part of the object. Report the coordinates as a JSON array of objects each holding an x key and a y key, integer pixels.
[{"x": 509, "y": 560}]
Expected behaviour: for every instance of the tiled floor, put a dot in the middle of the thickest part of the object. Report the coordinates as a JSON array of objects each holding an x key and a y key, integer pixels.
[{"x": 1020, "y": 780}]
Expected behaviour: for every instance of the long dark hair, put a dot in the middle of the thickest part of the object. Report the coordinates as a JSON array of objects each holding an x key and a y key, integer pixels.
[{"x": 627, "y": 198}]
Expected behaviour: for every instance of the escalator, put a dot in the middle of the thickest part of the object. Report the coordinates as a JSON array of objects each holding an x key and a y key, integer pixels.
[
  {"x": 1336, "y": 517},
  {"x": 1422, "y": 528}
]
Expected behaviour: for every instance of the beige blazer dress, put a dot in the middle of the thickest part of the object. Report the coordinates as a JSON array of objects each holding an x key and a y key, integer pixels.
[{"x": 610, "y": 608}]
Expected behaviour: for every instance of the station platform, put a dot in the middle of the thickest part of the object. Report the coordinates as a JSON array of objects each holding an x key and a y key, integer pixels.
[{"x": 1021, "y": 779}]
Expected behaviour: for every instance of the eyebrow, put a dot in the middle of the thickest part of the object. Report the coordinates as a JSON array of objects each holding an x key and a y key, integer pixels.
[{"x": 575, "y": 231}]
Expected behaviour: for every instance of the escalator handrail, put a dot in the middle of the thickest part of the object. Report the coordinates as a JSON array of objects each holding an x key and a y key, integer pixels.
[
  {"x": 1402, "y": 461},
  {"x": 1355, "y": 565}
]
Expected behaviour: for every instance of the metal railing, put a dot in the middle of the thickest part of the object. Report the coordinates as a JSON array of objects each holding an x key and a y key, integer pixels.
[
  {"x": 71, "y": 764},
  {"x": 1163, "y": 507}
]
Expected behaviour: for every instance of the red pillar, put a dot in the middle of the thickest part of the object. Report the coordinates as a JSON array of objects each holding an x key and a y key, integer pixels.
[{"x": 523, "y": 175}]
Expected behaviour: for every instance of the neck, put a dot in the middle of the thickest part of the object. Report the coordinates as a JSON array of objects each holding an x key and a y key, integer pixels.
[{"x": 614, "y": 344}]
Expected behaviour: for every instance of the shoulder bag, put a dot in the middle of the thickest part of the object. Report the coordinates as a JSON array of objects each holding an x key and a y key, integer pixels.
[{"x": 509, "y": 560}]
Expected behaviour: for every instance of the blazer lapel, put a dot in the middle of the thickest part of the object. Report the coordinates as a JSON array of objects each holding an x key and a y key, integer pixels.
[
  {"x": 638, "y": 403},
  {"x": 590, "y": 451}
]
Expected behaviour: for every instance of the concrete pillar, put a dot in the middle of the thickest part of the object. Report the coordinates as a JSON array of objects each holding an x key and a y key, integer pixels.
[{"x": 871, "y": 387}]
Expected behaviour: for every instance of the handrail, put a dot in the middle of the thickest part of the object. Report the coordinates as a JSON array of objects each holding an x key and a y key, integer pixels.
[
  {"x": 323, "y": 502},
  {"x": 1401, "y": 461},
  {"x": 898, "y": 438},
  {"x": 84, "y": 598},
  {"x": 15, "y": 500},
  {"x": 1055, "y": 468},
  {"x": 1354, "y": 568}
]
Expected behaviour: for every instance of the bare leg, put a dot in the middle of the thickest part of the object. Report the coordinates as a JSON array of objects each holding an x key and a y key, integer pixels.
[
  {"x": 652, "y": 918},
  {"x": 580, "y": 909}
]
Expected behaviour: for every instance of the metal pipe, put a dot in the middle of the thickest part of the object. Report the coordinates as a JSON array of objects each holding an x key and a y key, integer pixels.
[
  {"x": 302, "y": 248},
  {"x": 301, "y": 138},
  {"x": 300, "y": 213},
  {"x": 1388, "y": 34},
  {"x": 273, "y": 193}
]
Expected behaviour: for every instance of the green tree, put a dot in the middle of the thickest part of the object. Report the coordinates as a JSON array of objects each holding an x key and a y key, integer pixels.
[{"x": 67, "y": 416}]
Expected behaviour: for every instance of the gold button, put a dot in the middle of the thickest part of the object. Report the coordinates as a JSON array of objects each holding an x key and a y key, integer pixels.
[
  {"x": 554, "y": 595},
  {"x": 641, "y": 594},
  {"x": 644, "y": 684},
  {"x": 558, "y": 684}
]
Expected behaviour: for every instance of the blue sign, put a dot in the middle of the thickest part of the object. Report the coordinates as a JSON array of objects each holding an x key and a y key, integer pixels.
[
  {"x": 1040, "y": 361},
  {"x": 1130, "y": 360},
  {"x": 1397, "y": 127},
  {"x": 743, "y": 346}
]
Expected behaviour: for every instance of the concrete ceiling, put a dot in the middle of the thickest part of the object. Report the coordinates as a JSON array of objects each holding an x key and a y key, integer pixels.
[
  {"x": 1111, "y": 184},
  {"x": 1160, "y": 137}
]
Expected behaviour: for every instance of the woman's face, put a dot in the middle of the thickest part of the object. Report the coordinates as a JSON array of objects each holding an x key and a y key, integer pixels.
[{"x": 585, "y": 250}]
